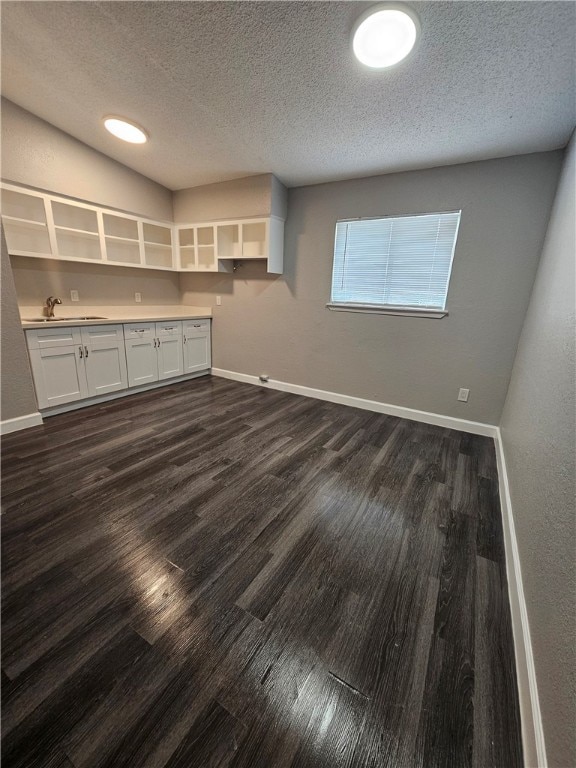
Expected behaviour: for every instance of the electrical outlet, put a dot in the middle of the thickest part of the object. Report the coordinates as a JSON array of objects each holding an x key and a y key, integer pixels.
[
  {"x": 219, "y": 301},
  {"x": 138, "y": 298},
  {"x": 74, "y": 296},
  {"x": 463, "y": 395}
]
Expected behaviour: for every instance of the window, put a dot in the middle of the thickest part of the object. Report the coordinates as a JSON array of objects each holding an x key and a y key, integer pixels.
[{"x": 398, "y": 263}]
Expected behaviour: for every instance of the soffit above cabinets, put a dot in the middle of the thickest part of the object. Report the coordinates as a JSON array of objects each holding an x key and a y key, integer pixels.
[
  {"x": 41, "y": 225},
  {"x": 227, "y": 90}
]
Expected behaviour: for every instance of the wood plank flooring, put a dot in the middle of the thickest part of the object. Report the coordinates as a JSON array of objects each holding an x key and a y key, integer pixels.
[{"x": 218, "y": 575}]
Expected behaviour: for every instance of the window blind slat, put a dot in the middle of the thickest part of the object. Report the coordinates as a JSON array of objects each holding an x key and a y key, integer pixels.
[{"x": 403, "y": 261}]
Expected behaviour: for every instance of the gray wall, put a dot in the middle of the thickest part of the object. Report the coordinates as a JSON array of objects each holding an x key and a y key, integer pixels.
[
  {"x": 538, "y": 433},
  {"x": 39, "y": 155},
  {"x": 261, "y": 195},
  {"x": 18, "y": 398},
  {"x": 97, "y": 284},
  {"x": 280, "y": 326}
]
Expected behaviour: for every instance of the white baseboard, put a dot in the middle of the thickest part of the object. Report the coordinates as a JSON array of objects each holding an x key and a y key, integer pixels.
[
  {"x": 21, "y": 422},
  {"x": 77, "y": 404},
  {"x": 451, "y": 422},
  {"x": 532, "y": 729}
]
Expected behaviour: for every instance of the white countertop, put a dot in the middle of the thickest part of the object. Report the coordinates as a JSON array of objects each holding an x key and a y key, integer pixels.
[{"x": 112, "y": 314}]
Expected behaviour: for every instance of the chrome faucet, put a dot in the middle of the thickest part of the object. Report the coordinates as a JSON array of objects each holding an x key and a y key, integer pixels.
[{"x": 50, "y": 303}]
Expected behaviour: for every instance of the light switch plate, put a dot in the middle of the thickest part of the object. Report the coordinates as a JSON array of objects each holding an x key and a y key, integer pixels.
[
  {"x": 74, "y": 296},
  {"x": 219, "y": 300}
]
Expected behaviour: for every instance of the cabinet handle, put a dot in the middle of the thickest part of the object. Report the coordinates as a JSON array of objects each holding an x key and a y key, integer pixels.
[
  {"x": 86, "y": 350},
  {"x": 159, "y": 343},
  {"x": 184, "y": 339},
  {"x": 81, "y": 353}
]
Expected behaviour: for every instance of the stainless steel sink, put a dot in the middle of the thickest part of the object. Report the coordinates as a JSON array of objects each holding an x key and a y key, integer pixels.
[{"x": 57, "y": 319}]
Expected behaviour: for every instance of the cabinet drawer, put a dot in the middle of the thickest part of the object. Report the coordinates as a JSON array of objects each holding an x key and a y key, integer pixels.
[
  {"x": 55, "y": 336},
  {"x": 192, "y": 327},
  {"x": 139, "y": 330},
  {"x": 167, "y": 329},
  {"x": 103, "y": 335}
]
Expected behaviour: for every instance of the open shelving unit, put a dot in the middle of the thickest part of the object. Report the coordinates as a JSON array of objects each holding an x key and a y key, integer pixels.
[
  {"x": 121, "y": 240},
  {"x": 43, "y": 225},
  {"x": 187, "y": 248},
  {"x": 214, "y": 246},
  {"x": 157, "y": 246},
  {"x": 205, "y": 248},
  {"x": 254, "y": 240},
  {"x": 76, "y": 231}
]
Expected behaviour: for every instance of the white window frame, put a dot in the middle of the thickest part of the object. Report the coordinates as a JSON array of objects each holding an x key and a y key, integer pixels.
[{"x": 392, "y": 309}]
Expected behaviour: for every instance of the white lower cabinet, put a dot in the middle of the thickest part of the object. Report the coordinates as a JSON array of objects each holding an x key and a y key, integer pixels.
[
  {"x": 69, "y": 364},
  {"x": 104, "y": 359},
  {"x": 59, "y": 375},
  {"x": 153, "y": 352},
  {"x": 169, "y": 349},
  {"x": 141, "y": 355},
  {"x": 196, "y": 345}
]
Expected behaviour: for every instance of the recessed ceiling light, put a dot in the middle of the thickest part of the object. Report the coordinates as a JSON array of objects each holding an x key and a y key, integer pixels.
[
  {"x": 384, "y": 35},
  {"x": 125, "y": 130}
]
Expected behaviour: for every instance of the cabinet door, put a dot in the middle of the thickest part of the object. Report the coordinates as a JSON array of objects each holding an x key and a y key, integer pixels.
[
  {"x": 142, "y": 361},
  {"x": 197, "y": 353},
  {"x": 105, "y": 358},
  {"x": 59, "y": 375},
  {"x": 170, "y": 361}
]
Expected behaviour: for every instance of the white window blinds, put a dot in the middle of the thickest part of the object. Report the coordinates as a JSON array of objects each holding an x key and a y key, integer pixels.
[{"x": 396, "y": 262}]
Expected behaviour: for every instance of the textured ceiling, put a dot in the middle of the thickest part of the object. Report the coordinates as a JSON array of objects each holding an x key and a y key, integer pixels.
[{"x": 228, "y": 89}]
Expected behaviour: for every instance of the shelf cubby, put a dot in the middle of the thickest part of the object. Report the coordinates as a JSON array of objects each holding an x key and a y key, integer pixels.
[
  {"x": 118, "y": 226},
  {"x": 74, "y": 217},
  {"x": 122, "y": 251},
  {"x": 205, "y": 236},
  {"x": 153, "y": 233},
  {"x": 187, "y": 257},
  {"x": 187, "y": 237},
  {"x": 254, "y": 240},
  {"x": 156, "y": 255},
  {"x": 26, "y": 236},
  {"x": 81, "y": 245},
  {"x": 228, "y": 241},
  {"x": 19, "y": 205},
  {"x": 206, "y": 257}
]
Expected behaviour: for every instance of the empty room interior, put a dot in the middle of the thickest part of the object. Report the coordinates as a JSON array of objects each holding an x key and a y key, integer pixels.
[{"x": 288, "y": 384}]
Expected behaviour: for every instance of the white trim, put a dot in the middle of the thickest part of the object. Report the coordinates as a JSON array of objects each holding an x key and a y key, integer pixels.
[
  {"x": 85, "y": 402},
  {"x": 532, "y": 729},
  {"x": 20, "y": 422},
  {"x": 451, "y": 422},
  {"x": 386, "y": 309}
]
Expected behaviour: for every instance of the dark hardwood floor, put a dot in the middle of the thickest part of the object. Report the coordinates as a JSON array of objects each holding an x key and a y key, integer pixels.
[{"x": 216, "y": 575}]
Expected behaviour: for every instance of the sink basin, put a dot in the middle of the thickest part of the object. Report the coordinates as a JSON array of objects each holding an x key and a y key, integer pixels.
[{"x": 56, "y": 319}]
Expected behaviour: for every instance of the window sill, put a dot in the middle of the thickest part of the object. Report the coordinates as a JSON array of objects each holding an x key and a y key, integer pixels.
[{"x": 371, "y": 309}]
